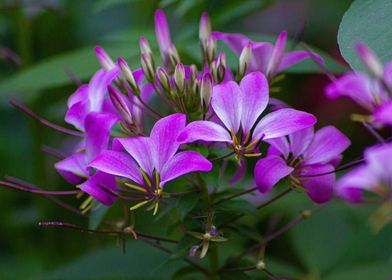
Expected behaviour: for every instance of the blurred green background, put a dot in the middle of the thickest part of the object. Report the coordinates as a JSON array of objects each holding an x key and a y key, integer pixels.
[{"x": 52, "y": 38}]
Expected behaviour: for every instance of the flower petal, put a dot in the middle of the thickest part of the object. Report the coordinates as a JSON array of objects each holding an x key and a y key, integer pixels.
[
  {"x": 356, "y": 86},
  {"x": 328, "y": 142},
  {"x": 277, "y": 54},
  {"x": 98, "y": 185},
  {"x": 383, "y": 114},
  {"x": 204, "y": 130},
  {"x": 300, "y": 140},
  {"x": 292, "y": 58},
  {"x": 164, "y": 136},
  {"x": 319, "y": 188},
  {"x": 77, "y": 114},
  {"x": 226, "y": 102},
  {"x": 97, "y": 87},
  {"x": 281, "y": 145},
  {"x": 73, "y": 168},
  {"x": 283, "y": 122},
  {"x": 184, "y": 163},
  {"x": 351, "y": 185},
  {"x": 162, "y": 31},
  {"x": 98, "y": 127},
  {"x": 379, "y": 160},
  {"x": 119, "y": 164},
  {"x": 79, "y": 95},
  {"x": 261, "y": 54},
  {"x": 236, "y": 42},
  {"x": 254, "y": 93},
  {"x": 140, "y": 149},
  {"x": 269, "y": 171}
]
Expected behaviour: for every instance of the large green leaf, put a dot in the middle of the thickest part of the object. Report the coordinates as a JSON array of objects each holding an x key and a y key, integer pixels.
[
  {"x": 365, "y": 271},
  {"x": 140, "y": 261},
  {"x": 320, "y": 241},
  {"x": 367, "y": 21}
]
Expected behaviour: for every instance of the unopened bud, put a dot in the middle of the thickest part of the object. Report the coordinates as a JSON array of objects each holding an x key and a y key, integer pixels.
[
  {"x": 306, "y": 214},
  {"x": 211, "y": 48},
  {"x": 260, "y": 265},
  {"x": 206, "y": 90},
  {"x": 163, "y": 79},
  {"x": 127, "y": 76},
  {"x": 193, "y": 250},
  {"x": 148, "y": 68},
  {"x": 204, "y": 29},
  {"x": 244, "y": 60},
  {"x": 145, "y": 47},
  {"x": 120, "y": 105},
  {"x": 104, "y": 59},
  {"x": 370, "y": 60},
  {"x": 192, "y": 73},
  {"x": 221, "y": 67},
  {"x": 179, "y": 78},
  {"x": 196, "y": 86},
  {"x": 173, "y": 58}
]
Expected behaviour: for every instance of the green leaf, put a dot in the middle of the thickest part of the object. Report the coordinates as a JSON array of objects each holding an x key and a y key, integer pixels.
[
  {"x": 367, "y": 21},
  {"x": 321, "y": 240},
  {"x": 366, "y": 271},
  {"x": 186, "y": 204},
  {"x": 96, "y": 216},
  {"x": 140, "y": 261}
]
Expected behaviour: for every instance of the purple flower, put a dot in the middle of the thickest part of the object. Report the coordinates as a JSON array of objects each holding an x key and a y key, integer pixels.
[
  {"x": 266, "y": 57},
  {"x": 302, "y": 155},
  {"x": 374, "y": 175},
  {"x": 238, "y": 108},
  {"x": 370, "y": 92},
  {"x": 151, "y": 162},
  {"x": 92, "y": 112}
]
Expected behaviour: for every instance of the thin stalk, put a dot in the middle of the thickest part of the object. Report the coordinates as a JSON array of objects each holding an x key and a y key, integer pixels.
[
  {"x": 38, "y": 191},
  {"x": 235, "y": 195},
  {"x": 43, "y": 121}
]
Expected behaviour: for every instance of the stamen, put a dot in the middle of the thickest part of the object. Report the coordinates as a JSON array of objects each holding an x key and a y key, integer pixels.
[
  {"x": 140, "y": 204},
  {"x": 135, "y": 187},
  {"x": 157, "y": 179},
  {"x": 156, "y": 208},
  {"x": 146, "y": 178},
  {"x": 234, "y": 137},
  {"x": 253, "y": 155},
  {"x": 86, "y": 203}
]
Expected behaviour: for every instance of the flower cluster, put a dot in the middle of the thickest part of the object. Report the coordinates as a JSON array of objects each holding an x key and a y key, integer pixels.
[{"x": 121, "y": 156}]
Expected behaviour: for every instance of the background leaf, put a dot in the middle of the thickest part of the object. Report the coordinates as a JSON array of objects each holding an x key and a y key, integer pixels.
[{"x": 367, "y": 21}]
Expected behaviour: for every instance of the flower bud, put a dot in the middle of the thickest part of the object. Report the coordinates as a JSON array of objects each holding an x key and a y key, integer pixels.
[
  {"x": 120, "y": 105},
  {"x": 260, "y": 265},
  {"x": 104, "y": 59},
  {"x": 127, "y": 76},
  {"x": 206, "y": 90},
  {"x": 173, "y": 58},
  {"x": 192, "y": 73},
  {"x": 179, "y": 78},
  {"x": 211, "y": 48},
  {"x": 221, "y": 67},
  {"x": 145, "y": 47},
  {"x": 148, "y": 68},
  {"x": 244, "y": 60},
  {"x": 204, "y": 30},
  {"x": 163, "y": 79},
  {"x": 370, "y": 60}
]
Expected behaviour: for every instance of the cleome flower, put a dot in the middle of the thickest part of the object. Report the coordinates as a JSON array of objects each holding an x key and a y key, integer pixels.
[
  {"x": 238, "y": 108},
  {"x": 150, "y": 162},
  {"x": 302, "y": 156},
  {"x": 372, "y": 92},
  {"x": 266, "y": 57},
  {"x": 375, "y": 175}
]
